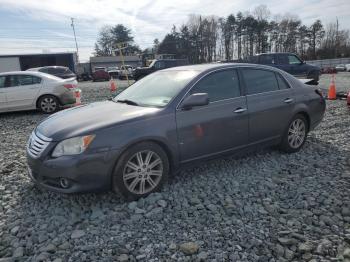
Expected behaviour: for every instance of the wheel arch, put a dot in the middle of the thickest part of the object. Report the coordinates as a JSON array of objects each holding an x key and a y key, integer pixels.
[
  {"x": 42, "y": 95},
  {"x": 307, "y": 117},
  {"x": 170, "y": 154}
]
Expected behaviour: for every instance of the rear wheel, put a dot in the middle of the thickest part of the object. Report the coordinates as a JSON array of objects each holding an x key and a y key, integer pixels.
[
  {"x": 48, "y": 104},
  {"x": 142, "y": 169},
  {"x": 295, "y": 136}
]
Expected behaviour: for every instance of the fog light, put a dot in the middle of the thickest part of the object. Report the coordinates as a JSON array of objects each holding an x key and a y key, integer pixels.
[{"x": 64, "y": 182}]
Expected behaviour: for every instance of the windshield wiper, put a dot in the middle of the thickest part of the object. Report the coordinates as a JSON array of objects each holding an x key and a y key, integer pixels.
[{"x": 129, "y": 102}]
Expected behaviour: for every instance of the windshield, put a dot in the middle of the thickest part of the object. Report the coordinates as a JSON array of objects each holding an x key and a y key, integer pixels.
[{"x": 157, "y": 89}]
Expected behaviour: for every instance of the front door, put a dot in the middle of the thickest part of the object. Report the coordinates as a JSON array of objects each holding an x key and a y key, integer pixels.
[
  {"x": 219, "y": 126},
  {"x": 21, "y": 90},
  {"x": 270, "y": 103}
]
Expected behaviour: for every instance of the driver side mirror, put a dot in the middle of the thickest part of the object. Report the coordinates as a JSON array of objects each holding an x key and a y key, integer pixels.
[{"x": 198, "y": 99}]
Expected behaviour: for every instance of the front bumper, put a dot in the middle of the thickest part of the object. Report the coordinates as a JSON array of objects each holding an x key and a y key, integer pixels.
[{"x": 85, "y": 172}]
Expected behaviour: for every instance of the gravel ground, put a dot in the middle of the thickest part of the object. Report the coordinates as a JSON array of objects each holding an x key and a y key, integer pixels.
[{"x": 266, "y": 206}]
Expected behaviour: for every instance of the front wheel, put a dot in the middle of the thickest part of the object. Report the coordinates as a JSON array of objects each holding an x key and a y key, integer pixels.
[
  {"x": 142, "y": 169},
  {"x": 295, "y": 136},
  {"x": 48, "y": 104}
]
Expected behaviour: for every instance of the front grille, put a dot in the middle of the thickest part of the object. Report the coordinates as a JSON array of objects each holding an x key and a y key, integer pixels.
[{"x": 37, "y": 144}]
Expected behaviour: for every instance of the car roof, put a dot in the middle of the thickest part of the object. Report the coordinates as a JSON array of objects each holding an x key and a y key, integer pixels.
[
  {"x": 38, "y": 68},
  {"x": 209, "y": 67},
  {"x": 33, "y": 73}
]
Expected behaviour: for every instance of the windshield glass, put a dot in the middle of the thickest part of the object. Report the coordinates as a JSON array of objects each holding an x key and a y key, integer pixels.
[{"x": 157, "y": 89}]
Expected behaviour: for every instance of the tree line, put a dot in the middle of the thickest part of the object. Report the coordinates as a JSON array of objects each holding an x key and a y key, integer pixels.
[{"x": 235, "y": 37}]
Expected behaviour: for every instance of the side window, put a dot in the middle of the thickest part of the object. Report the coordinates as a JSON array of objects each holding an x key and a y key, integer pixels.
[
  {"x": 2, "y": 81},
  {"x": 293, "y": 60},
  {"x": 159, "y": 65},
  {"x": 21, "y": 80},
  {"x": 282, "y": 84},
  {"x": 12, "y": 81},
  {"x": 25, "y": 80},
  {"x": 259, "y": 81},
  {"x": 36, "y": 80},
  {"x": 219, "y": 85},
  {"x": 267, "y": 59}
]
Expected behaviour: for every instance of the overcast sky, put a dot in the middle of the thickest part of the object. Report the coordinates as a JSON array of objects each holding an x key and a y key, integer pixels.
[{"x": 28, "y": 26}]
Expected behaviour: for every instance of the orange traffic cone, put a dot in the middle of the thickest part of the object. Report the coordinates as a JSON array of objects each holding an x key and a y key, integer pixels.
[
  {"x": 113, "y": 85},
  {"x": 332, "y": 95},
  {"x": 77, "y": 94}
]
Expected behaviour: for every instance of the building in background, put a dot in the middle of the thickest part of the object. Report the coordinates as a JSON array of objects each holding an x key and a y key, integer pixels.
[
  {"x": 114, "y": 61},
  {"x": 23, "y": 62}
]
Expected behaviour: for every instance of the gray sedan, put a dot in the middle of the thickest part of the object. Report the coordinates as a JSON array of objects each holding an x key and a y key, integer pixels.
[{"x": 169, "y": 118}]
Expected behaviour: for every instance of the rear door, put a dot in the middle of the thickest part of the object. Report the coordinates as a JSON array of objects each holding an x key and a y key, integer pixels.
[
  {"x": 219, "y": 126},
  {"x": 270, "y": 103},
  {"x": 3, "y": 102},
  {"x": 22, "y": 90},
  {"x": 283, "y": 63}
]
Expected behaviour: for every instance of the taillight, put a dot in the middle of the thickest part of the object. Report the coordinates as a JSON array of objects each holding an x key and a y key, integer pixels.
[{"x": 69, "y": 86}]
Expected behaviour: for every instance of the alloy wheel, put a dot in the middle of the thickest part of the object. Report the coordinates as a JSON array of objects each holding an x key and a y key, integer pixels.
[
  {"x": 296, "y": 133},
  {"x": 48, "y": 105},
  {"x": 143, "y": 172}
]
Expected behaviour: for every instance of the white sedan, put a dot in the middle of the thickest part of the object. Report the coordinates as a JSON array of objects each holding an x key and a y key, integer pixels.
[{"x": 25, "y": 90}]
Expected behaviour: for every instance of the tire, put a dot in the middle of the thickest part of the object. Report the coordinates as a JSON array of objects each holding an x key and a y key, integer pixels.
[
  {"x": 134, "y": 180},
  {"x": 48, "y": 104},
  {"x": 292, "y": 143}
]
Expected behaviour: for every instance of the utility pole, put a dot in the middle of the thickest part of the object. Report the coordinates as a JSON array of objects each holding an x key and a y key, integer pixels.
[{"x": 75, "y": 38}]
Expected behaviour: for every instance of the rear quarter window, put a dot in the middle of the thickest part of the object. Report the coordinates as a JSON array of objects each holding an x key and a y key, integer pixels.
[
  {"x": 259, "y": 81},
  {"x": 282, "y": 84}
]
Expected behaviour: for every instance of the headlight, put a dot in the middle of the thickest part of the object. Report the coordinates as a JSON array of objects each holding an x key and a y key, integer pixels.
[{"x": 73, "y": 146}]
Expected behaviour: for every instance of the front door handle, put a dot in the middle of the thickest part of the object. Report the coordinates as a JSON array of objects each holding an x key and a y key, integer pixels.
[
  {"x": 288, "y": 100},
  {"x": 240, "y": 110}
]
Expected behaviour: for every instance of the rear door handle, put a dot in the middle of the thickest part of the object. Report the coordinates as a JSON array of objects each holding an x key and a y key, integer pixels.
[
  {"x": 288, "y": 100},
  {"x": 240, "y": 110}
]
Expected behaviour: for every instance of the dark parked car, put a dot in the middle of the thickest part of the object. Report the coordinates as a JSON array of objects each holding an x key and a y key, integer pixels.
[
  {"x": 59, "y": 71},
  {"x": 288, "y": 62},
  {"x": 100, "y": 75},
  {"x": 156, "y": 65},
  {"x": 170, "y": 118}
]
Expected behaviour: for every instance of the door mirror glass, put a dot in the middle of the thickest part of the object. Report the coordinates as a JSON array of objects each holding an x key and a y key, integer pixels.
[{"x": 198, "y": 99}]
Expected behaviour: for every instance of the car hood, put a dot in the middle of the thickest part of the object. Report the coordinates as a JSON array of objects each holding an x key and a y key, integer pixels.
[{"x": 87, "y": 118}]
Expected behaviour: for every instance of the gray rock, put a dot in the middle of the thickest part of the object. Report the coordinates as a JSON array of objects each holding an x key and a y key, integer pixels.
[
  {"x": 189, "y": 248},
  {"x": 19, "y": 252},
  {"x": 279, "y": 250},
  {"x": 50, "y": 248},
  {"x": 287, "y": 241},
  {"x": 77, "y": 234},
  {"x": 14, "y": 230},
  {"x": 42, "y": 257},
  {"x": 305, "y": 247},
  {"x": 132, "y": 205},
  {"x": 172, "y": 246},
  {"x": 162, "y": 203},
  {"x": 202, "y": 256},
  {"x": 346, "y": 253},
  {"x": 123, "y": 258}
]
